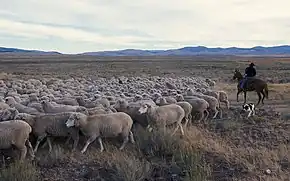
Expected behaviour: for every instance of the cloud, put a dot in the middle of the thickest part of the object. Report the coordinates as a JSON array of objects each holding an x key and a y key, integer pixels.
[{"x": 92, "y": 25}]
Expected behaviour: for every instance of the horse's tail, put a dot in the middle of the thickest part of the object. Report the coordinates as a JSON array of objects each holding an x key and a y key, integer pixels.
[{"x": 266, "y": 91}]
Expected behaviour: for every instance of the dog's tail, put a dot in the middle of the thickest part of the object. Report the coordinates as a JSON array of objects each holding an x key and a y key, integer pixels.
[{"x": 266, "y": 91}]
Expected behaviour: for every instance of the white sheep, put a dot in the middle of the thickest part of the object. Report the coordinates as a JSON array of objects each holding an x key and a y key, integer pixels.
[
  {"x": 223, "y": 97},
  {"x": 48, "y": 107},
  {"x": 50, "y": 125},
  {"x": 103, "y": 125},
  {"x": 199, "y": 106},
  {"x": 213, "y": 102},
  {"x": 161, "y": 116},
  {"x": 187, "y": 107},
  {"x": 16, "y": 133},
  {"x": 21, "y": 108}
]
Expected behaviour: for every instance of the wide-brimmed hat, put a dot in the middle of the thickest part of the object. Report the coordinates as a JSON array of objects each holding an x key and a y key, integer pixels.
[{"x": 252, "y": 64}]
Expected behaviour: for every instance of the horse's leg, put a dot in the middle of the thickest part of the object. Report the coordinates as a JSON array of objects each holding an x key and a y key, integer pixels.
[
  {"x": 239, "y": 91},
  {"x": 263, "y": 96},
  {"x": 245, "y": 97},
  {"x": 260, "y": 97}
]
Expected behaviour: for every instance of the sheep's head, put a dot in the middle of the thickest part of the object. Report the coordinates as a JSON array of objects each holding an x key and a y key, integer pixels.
[
  {"x": 144, "y": 108},
  {"x": 179, "y": 97},
  {"x": 73, "y": 120},
  {"x": 10, "y": 101}
]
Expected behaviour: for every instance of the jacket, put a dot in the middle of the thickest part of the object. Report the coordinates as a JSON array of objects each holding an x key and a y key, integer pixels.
[{"x": 250, "y": 72}]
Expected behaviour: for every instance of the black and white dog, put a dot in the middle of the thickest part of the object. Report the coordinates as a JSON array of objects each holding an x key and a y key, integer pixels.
[{"x": 250, "y": 108}]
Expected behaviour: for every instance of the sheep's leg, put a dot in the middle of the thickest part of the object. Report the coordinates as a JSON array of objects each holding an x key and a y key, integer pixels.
[
  {"x": 44, "y": 144},
  {"x": 175, "y": 129},
  {"x": 216, "y": 113},
  {"x": 186, "y": 122},
  {"x": 39, "y": 139},
  {"x": 207, "y": 114},
  {"x": 131, "y": 137},
  {"x": 23, "y": 151},
  {"x": 67, "y": 140},
  {"x": 227, "y": 104},
  {"x": 190, "y": 119},
  {"x": 181, "y": 129},
  {"x": 76, "y": 139},
  {"x": 30, "y": 149},
  {"x": 49, "y": 144},
  {"x": 221, "y": 113},
  {"x": 125, "y": 141},
  {"x": 201, "y": 116},
  {"x": 88, "y": 142},
  {"x": 101, "y": 144}
]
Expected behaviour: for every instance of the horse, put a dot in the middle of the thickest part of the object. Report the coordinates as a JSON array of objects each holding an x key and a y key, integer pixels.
[{"x": 251, "y": 84}]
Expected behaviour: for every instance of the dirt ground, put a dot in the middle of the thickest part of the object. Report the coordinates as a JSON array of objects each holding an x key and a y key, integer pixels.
[{"x": 231, "y": 148}]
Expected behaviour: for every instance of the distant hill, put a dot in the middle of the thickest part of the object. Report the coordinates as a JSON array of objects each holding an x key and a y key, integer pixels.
[
  {"x": 17, "y": 50},
  {"x": 185, "y": 51}
]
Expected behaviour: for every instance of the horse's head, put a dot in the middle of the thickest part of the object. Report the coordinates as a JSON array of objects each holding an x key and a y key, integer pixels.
[{"x": 237, "y": 74}]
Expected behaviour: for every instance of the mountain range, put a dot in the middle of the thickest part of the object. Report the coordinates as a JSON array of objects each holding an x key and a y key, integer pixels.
[{"x": 185, "y": 51}]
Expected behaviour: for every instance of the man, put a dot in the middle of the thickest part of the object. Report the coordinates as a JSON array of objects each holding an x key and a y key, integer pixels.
[{"x": 250, "y": 71}]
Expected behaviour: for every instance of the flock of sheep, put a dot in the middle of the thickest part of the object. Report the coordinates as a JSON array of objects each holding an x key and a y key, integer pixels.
[{"x": 100, "y": 108}]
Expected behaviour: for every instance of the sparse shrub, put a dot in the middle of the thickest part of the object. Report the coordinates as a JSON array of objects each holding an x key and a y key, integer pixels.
[
  {"x": 161, "y": 147},
  {"x": 18, "y": 171},
  {"x": 52, "y": 159}
]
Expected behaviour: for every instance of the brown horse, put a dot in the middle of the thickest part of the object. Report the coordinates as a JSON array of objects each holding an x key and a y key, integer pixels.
[{"x": 251, "y": 84}]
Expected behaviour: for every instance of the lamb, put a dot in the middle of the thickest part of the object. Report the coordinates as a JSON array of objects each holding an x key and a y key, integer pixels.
[
  {"x": 198, "y": 106},
  {"x": 48, "y": 107},
  {"x": 16, "y": 133},
  {"x": 21, "y": 108},
  {"x": 161, "y": 116},
  {"x": 103, "y": 125},
  {"x": 50, "y": 125}
]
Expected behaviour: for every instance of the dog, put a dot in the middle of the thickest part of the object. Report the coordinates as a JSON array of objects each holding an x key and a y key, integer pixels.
[{"x": 250, "y": 108}]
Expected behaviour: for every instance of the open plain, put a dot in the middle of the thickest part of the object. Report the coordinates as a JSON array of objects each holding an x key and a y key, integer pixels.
[{"x": 231, "y": 148}]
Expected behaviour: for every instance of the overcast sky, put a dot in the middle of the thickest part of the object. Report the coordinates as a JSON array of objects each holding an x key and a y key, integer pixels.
[{"x": 73, "y": 26}]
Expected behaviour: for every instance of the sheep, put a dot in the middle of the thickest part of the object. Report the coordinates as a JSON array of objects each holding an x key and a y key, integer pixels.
[
  {"x": 99, "y": 110},
  {"x": 187, "y": 107},
  {"x": 8, "y": 114},
  {"x": 50, "y": 125},
  {"x": 213, "y": 103},
  {"x": 21, "y": 108},
  {"x": 161, "y": 116},
  {"x": 103, "y": 125},
  {"x": 223, "y": 97},
  {"x": 48, "y": 107},
  {"x": 85, "y": 103},
  {"x": 132, "y": 109},
  {"x": 198, "y": 106},
  {"x": 16, "y": 133}
]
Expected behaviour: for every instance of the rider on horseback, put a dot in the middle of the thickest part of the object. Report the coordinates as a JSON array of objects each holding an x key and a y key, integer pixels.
[{"x": 250, "y": 71}]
